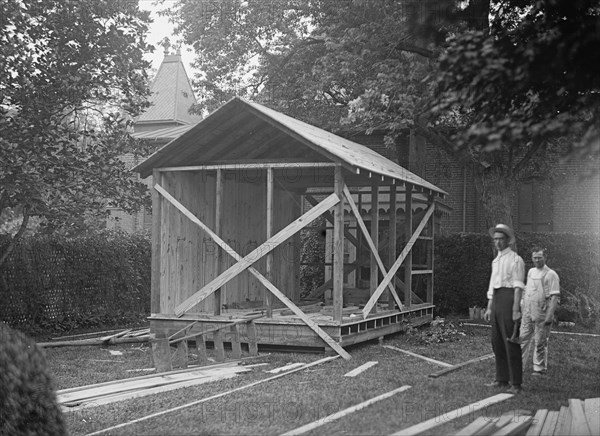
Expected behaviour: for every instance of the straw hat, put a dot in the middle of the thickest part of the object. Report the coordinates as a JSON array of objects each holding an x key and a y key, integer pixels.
[{"x": 503, "y": 228}]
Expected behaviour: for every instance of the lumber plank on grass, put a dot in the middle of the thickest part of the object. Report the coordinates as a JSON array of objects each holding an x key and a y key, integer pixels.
[
  {"x": 136, "y": 383},
  {"x": 579, "y": 425},
  {"x": 452, "y": 368},
  {"x": 438, "y": 420},
  {"x": 481, "y": 426},
  {"x": 95, "y": 341},
  {"x": 360, "y": 369},
  {"x": 285, "y": 368},
  {"x": 549, "y": 423},
  {"x": 514, "y": 427},
  {"x": 592, "y": 414},
  {"x": 152, "y": 390},
  {"x": 83, "y": 335},
  {"x": 538, "y": 422},
  {"x": 342, "y": 413},
  {"x": 213, "y": 397},
  {"x": 563, "y": 421},
  {"x": 428, "y": 359}
]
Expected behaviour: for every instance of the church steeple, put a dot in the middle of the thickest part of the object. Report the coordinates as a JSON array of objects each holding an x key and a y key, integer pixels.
[{"x": 172, "y": 95}]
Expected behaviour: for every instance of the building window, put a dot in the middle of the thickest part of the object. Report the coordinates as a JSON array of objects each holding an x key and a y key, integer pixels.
[{"x": 535, "y": 207}]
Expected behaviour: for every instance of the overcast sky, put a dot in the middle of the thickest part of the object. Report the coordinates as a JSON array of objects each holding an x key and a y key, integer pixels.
[{"x": 158, "y": 30}]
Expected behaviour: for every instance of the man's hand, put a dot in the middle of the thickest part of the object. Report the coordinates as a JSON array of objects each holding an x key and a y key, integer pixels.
[{"x": 487, "y": 316}]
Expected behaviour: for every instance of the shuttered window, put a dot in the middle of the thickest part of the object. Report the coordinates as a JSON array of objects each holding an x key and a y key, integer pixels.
[{"x": 535, "y": 207}]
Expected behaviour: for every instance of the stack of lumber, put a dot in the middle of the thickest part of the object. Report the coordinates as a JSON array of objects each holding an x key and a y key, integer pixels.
[
  {"x": 580, "y": 418},
  {"x": 105, "y": 393},
  {"x": 122, "y": 337}
]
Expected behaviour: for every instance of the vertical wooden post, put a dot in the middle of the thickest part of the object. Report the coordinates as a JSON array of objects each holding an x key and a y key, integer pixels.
[
  {"x": 359, "y": 238},
  {"x": 408, "y": 232},
  {"x": 218, "y": 344},
  {"x": 269, "y": 275},
  {"x": 252, "y": 344},
  {"x": 181, "y": 354},
  {"x": 201, "y": 349},
  {"x": 218, "y": 298},
  {"x": 161, "y": 354},
  {"x": 156, "y": 246},
  {"x": 392, "y": 241},
  {"x": 338, "y": 246},
  {"x": 374, "y": 268},
  {"x": 430, "y": 254},
  {"x": 236, "y": 346}
]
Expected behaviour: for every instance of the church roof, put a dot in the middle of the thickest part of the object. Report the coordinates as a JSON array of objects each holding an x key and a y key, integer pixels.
[{"x": 172, "y": 95}]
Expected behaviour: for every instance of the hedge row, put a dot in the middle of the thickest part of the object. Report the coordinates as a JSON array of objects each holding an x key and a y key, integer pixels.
[
  {"x": 53, "y": 282},
  {"x": 56, "y": 282},
  {"x": 463, "y": 265}
]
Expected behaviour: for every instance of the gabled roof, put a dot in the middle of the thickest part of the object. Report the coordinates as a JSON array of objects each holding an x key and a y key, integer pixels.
[
  {"x": 242, "y": 131},
  {"x": 172, "y": 95}
]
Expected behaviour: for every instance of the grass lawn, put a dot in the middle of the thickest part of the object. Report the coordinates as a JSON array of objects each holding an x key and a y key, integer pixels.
[{"x": 289, "y": 402}]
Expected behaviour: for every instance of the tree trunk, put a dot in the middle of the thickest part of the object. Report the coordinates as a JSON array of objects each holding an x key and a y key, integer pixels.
[{"x": 496, "y": 192}]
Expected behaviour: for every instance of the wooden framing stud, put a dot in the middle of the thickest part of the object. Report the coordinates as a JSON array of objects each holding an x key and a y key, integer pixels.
[
  {"x": 236, "y": 346},
  {"x": 218, "y": 344},
  {"x": 252, "y": 345}
]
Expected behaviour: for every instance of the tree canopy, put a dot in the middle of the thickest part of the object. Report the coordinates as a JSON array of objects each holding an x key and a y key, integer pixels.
[
  {"x": 495, "y": 83},
  {"x": 72, "y": 75}
]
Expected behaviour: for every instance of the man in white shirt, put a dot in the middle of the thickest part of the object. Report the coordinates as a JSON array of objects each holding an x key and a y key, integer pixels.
[
  {"x": 504, "y": 309},
  {"x": 542, "y": 294}
]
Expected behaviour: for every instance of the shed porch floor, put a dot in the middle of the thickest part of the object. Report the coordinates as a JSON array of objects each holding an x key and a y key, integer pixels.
[{"x": 286, "y": 331}]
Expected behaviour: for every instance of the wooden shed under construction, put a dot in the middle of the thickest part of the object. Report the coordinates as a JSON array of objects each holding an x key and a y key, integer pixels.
[{"x": 231, "y": 198}]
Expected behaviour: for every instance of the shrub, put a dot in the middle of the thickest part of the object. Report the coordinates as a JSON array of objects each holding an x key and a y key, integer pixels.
[
  {"x": 27, "y": 397},
  {"x": 61, "y": 283}
]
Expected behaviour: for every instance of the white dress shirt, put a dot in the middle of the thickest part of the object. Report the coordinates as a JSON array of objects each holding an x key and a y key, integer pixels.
[{"x": 508, "y": 271}]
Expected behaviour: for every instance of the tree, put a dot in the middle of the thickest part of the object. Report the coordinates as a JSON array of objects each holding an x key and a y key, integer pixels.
[
  {"x": 522, "y": 91},
  {"x": 61, "y": 62},
  {"x": 399, "y": 66}
]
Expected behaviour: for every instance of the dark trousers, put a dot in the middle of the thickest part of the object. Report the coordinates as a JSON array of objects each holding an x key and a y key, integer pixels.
[{"x": 509, "y": 365}]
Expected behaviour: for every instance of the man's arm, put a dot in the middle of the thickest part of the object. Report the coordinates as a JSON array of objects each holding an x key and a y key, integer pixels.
[
  {"x": 551, "y": 309},
  {"x": 519, "y": 285}
]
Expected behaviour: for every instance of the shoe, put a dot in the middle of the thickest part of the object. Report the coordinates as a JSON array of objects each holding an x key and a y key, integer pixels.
[
  {"x": 515, "y": 389},
  {"x": 538, "y": 373},
  {"x": 497, "y": 384}
]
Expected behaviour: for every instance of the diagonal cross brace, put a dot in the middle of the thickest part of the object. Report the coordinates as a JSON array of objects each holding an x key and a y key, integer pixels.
[
  {"x": 272, "y": 288},
  {"x": 388, "y": 277},
  {"x": 370, "y": 243}
]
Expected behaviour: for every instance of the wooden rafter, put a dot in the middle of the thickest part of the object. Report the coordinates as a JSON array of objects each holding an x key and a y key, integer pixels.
[
  {"x": 388, "y": 277},
  {"x": 303, "y": 221},
  {"x": 369, "y": 241}
]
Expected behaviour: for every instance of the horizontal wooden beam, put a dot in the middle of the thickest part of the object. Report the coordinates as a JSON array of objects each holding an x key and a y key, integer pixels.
[{"x": 246, "y": 166}]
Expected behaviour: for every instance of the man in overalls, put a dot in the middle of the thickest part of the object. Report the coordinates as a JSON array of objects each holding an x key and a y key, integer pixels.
[{"x": 542, "y": 293}]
